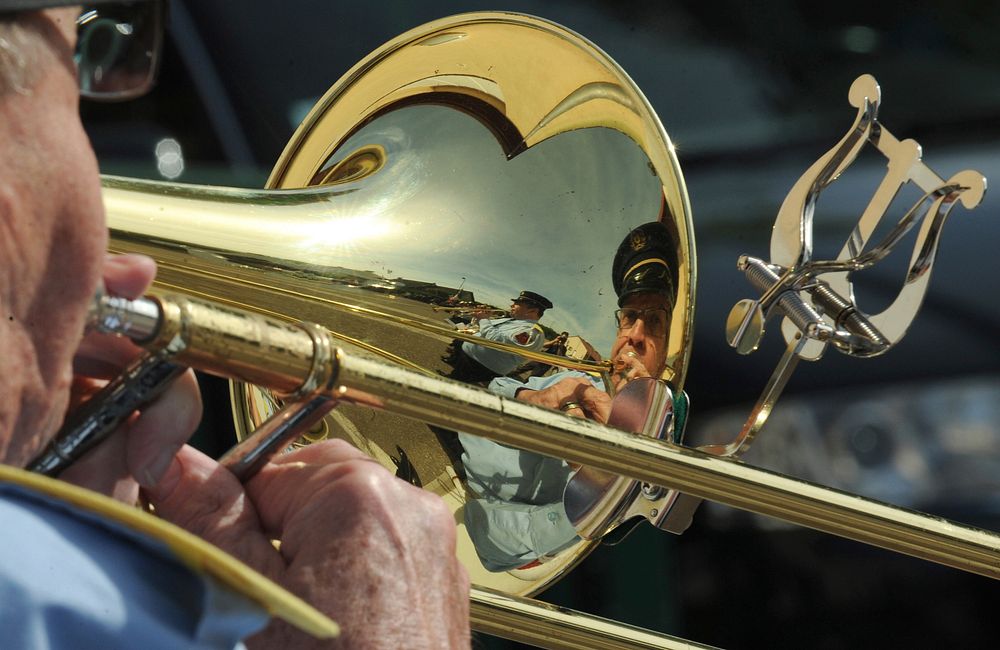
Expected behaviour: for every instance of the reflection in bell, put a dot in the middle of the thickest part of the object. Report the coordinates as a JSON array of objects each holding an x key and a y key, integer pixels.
[
  {"x": 477, "y": 364},
  {"x": 419, "y": 179},
  {"x": 517, "y": 513}
]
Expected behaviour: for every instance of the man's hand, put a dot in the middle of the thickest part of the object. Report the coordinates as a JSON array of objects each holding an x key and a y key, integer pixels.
[
  {"x": 142, "y": 449},
  {"x": 375, "y": 553},
  {"x": 577, "y": 396},
  {"x": 371, "y": 551},
  {"x": 627, "y": 366}
]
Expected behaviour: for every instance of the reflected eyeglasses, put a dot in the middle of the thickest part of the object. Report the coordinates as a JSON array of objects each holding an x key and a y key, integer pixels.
[
  {"x": 654, "y": 319},
  {"x": 118, "y": 48}
]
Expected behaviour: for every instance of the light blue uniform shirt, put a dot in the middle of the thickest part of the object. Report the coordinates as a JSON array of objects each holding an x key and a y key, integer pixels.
[
  {"x": 523, "y": 333},
  {"x": 71, "y": 579},
  {"x": 518, "y": 515},
  {"x": 507, "y": 387}
]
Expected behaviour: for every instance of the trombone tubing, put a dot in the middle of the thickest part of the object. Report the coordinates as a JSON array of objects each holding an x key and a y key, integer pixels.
[
  {"x": 460, "y": 407},
  {"x": 548, "y": 626}
]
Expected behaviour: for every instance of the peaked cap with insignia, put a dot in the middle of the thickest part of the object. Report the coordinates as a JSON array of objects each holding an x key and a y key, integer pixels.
[
  {"x": 643, "y": 263},
  {"x": 533, "y": 299}
]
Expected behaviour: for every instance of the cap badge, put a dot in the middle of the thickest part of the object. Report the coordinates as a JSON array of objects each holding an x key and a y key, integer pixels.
[{"x": 637, "y": 240}]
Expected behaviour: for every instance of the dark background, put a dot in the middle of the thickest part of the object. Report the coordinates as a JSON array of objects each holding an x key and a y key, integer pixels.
[{"x": 752, "y": 94}]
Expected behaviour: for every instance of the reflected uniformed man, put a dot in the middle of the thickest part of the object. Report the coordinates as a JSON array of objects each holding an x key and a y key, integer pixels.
[
  {"x": 518, "y": 516},
  {"x": 556, "y": 346},
  {"x": 643, "y": 280},
  {"x": 479, "y": 364}
]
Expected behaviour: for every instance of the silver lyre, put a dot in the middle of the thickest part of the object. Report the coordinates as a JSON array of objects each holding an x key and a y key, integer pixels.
[
  {"x": 816, "y": 297},
  {"x": 825, "y": 311}
]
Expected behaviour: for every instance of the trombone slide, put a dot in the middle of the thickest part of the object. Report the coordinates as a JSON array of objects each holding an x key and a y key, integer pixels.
[{"x": 261, "y": 349}]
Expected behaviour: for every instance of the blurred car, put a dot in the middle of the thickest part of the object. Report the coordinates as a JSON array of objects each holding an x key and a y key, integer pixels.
[{"x": 751, "y": 94}]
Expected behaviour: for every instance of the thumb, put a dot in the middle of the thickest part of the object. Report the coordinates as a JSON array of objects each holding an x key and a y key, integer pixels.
[
  {"x": 204, "y": 498},
  {"x": 128, "y": 275}
]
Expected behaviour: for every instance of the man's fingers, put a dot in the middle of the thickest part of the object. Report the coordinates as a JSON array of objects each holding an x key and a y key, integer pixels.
[
  {"x": 201, "y": 496},
  {"x": 326, "y": 499},
  {"x": 128, "y": 276},
  {"x": 294, "y": 483},
  {"x": 598, "y": 404},
  {"x": 102, "y": 469},
  {"x": 142, "y": 447},
  {"x": 162, "y": 428},
  {"x": 323, "y": 452},
  {"x": 103, "y": 356}
]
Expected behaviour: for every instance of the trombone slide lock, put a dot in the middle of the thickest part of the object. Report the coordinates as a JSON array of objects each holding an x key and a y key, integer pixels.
[{"x": 294, "y": 359}]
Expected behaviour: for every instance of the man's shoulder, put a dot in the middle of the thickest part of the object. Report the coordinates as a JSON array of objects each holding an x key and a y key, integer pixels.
[
  {"x": 72, "y": 570},
  {"x": 529, "y": 333},
  {"x": 493, "y": 322},
  {"x": 45, "y": 529},
  {"x": 63, "y": 572},
  {"x": 525, "y": 324}
]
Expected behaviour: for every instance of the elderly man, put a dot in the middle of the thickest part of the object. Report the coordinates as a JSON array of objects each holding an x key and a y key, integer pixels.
[
  {"x": 369, "y": 550},
  {"x": 518, "y": 516},
  {"x": 479, "y": 364},
  {"x": 641, "y": 276}
]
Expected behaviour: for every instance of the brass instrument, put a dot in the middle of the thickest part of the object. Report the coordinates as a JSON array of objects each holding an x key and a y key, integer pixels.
[
  {"x": 469, "y": 311},
  {"x": 374, "y": 222},
  {"x": 378, "y": 198}
]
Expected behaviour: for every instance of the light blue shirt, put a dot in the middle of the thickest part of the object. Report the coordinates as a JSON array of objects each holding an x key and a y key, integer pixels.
[
  {"x": 70, "y": 579},
  {"x": 522, "y": 333},
  {"x": 517, "y": 515},
  {"x": 508, "y": 387}
]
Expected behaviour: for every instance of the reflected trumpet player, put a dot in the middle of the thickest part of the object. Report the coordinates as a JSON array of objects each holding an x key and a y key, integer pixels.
[
  {"x": 477, "y": 364},
  {"x": 641, "y": 278}
]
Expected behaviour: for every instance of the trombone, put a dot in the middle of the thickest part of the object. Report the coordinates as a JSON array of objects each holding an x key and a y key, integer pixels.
[
  {"x": 492, "y": 312},
  {"x": 293, "y": 256}
]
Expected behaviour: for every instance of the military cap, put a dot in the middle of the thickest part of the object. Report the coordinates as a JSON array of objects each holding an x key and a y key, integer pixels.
[
  {"x": 642, "y": 263},
  {"x": 533, "y": 299}
]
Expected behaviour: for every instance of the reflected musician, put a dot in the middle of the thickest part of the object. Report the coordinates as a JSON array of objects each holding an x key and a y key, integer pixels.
[
  {"x": 477, "y": 364},
  {"x": 516, "y": 515},
  {"x": 459, "y": 311},
  {"x": 463, "y": 317},
  {"x": 556, "y": 346}
]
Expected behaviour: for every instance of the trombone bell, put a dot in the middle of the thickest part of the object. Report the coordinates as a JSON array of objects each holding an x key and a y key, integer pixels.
[{"x": 448, "y": 166}]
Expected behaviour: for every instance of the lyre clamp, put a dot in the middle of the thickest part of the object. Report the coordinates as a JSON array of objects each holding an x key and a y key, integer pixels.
[
  {"x": 824, "y": 311},
  {"x": 816, "y": 297}
]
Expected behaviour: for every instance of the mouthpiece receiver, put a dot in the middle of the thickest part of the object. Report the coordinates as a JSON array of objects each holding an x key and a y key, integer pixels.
[
  {"x": 299, "y": 361},
  {"x": 294, "y": 359},
  {"x": 138, "y": 319}
]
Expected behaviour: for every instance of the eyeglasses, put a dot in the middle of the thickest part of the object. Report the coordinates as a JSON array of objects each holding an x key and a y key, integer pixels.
[
  {"x": 654, "y": 319},
  {"x": 118, "y": 48}
]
